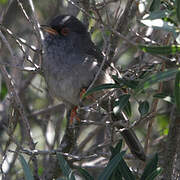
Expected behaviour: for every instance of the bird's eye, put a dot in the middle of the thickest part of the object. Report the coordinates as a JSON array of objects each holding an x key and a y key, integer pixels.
[{"x": 65, "y": 31}]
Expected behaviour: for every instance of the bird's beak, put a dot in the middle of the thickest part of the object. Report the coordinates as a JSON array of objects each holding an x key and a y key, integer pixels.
[{"x": 49, "y": 30}]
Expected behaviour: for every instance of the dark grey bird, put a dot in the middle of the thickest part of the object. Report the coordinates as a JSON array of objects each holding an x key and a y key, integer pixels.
[{"x": 71, "y": 61}]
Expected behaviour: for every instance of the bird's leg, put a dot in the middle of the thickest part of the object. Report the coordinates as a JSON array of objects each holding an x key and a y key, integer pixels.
[
  {"x": 74, "y": 110},
  {"x": 83, "y": 91},
  {"x": 73, "y": 115}
]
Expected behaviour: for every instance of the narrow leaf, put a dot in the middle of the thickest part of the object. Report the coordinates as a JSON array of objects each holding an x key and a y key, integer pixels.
[
  {"x": 116, "y": 79},
  {"x": 112, "y": 165},
  {"x": 125, "y": 171},
  {"x": 118, "y": 146},
  {"x": 155, "y": 5},
  {"x": 85, "y": 174},
  {"x": 154, "y": 174},
  {"x": 155, "y": 78},
  {"x": 131, "y": 83},
  {"x": 116, "y": 150},
  {"x": 27, "y": 171},
  {"x": 116, "y": 175},
  {"x": 122, "y": 101},
  {"x": 100, "y": 88},
  {"x": 127, "y": 109},
  {"x": 165, "y": 97},
  {"x": 177, "y": 90},
  {"x": 143, "y": 108},
  {"x": 178, "y": 10},
  {"x": 164, "y": 50},
  {"x": 126, "y": 82},
  {"x": 150, "y": 167},
  {"x": 158, "y": 14},
  {"x": 3, "y": 90},
  {"x": 65, "y": 167}
]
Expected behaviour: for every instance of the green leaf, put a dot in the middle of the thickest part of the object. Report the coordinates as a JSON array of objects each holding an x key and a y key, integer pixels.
[
  {"x": 158, "y": 14},
  {"x": 129, "y": 83},
  {"x": 127, "y": 109},
  {"x": 122, "y": 169},
  {"x": 125, "y": 171},
  {"x": 177, "y": 2},
  {"x": 100, "y": 88},
  {"x": 116, "y": 79},
  {"x": 150, "y": 167},
  {"x": 143, "y": 108},
  {"x": 85, "y": 174},
  {"x": 116, "y": 150},
  {"x": 126, "y": 82},
  {"x": 112, "y": 165},
  {"x": 3, "y": 1},
  {"x": 154, "y": 174},
  {"x": 68, "y": 173},
  {"x": 177, "y": 90},
  {"x": 163, "y": 124},
  {"x": 26, "y": 169},
  {"x": 166, "y": 97},
  {"x": 116, "y": 175},
  {"x": 120, "y": 103},
  {"x": 155, "y": 78},
  {"x": 155, "y": 5},
  {"x": 3, "y": 90},
  {"x": 118, "y": 146},
  {"x": 164, "y": 50},
  {"x": 146, "y": 73}
]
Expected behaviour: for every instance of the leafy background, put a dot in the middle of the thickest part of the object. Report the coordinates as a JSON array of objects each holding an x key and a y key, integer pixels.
[{"x": 140, "y": 38}]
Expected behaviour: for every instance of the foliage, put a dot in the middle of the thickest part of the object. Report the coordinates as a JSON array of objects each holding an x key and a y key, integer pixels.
[
  {"x": 116, "y": 168},
  {"x": 140, "y": 44},
  {"x": 27, "y": 171}
]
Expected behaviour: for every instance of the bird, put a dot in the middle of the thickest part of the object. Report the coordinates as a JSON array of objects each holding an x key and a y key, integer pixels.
[{"x": 70, "y": 63}]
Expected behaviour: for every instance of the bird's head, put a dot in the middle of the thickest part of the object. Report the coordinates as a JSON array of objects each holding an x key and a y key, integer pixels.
[
  {"x": 64, "y": 25},
  {"x": 70, "y": 34}
]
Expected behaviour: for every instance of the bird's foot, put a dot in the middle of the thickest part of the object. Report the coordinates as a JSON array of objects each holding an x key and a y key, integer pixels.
[
  {"x": 74, "y": 116},
  {"x": 83, "y": 91}
]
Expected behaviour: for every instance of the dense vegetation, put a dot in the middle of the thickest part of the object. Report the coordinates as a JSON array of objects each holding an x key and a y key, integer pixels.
[{"x": 140, "y": 39}]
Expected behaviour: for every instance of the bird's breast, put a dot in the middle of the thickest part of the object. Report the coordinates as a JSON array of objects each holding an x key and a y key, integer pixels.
[{"x": 67, "y": 74}]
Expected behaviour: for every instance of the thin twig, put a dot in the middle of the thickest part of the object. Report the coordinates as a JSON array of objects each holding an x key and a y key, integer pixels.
[
  {"x": 20, "y": 40},
  {"x": 37, "y": 152},
  {"x": 12, "y": 90}
]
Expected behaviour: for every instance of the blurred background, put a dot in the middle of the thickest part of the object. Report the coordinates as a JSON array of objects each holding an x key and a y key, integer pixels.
[{"x": 30, "y": 118}]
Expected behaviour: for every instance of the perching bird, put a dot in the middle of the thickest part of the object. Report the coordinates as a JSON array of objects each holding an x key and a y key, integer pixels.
[{"x": 70, "y": 64}]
